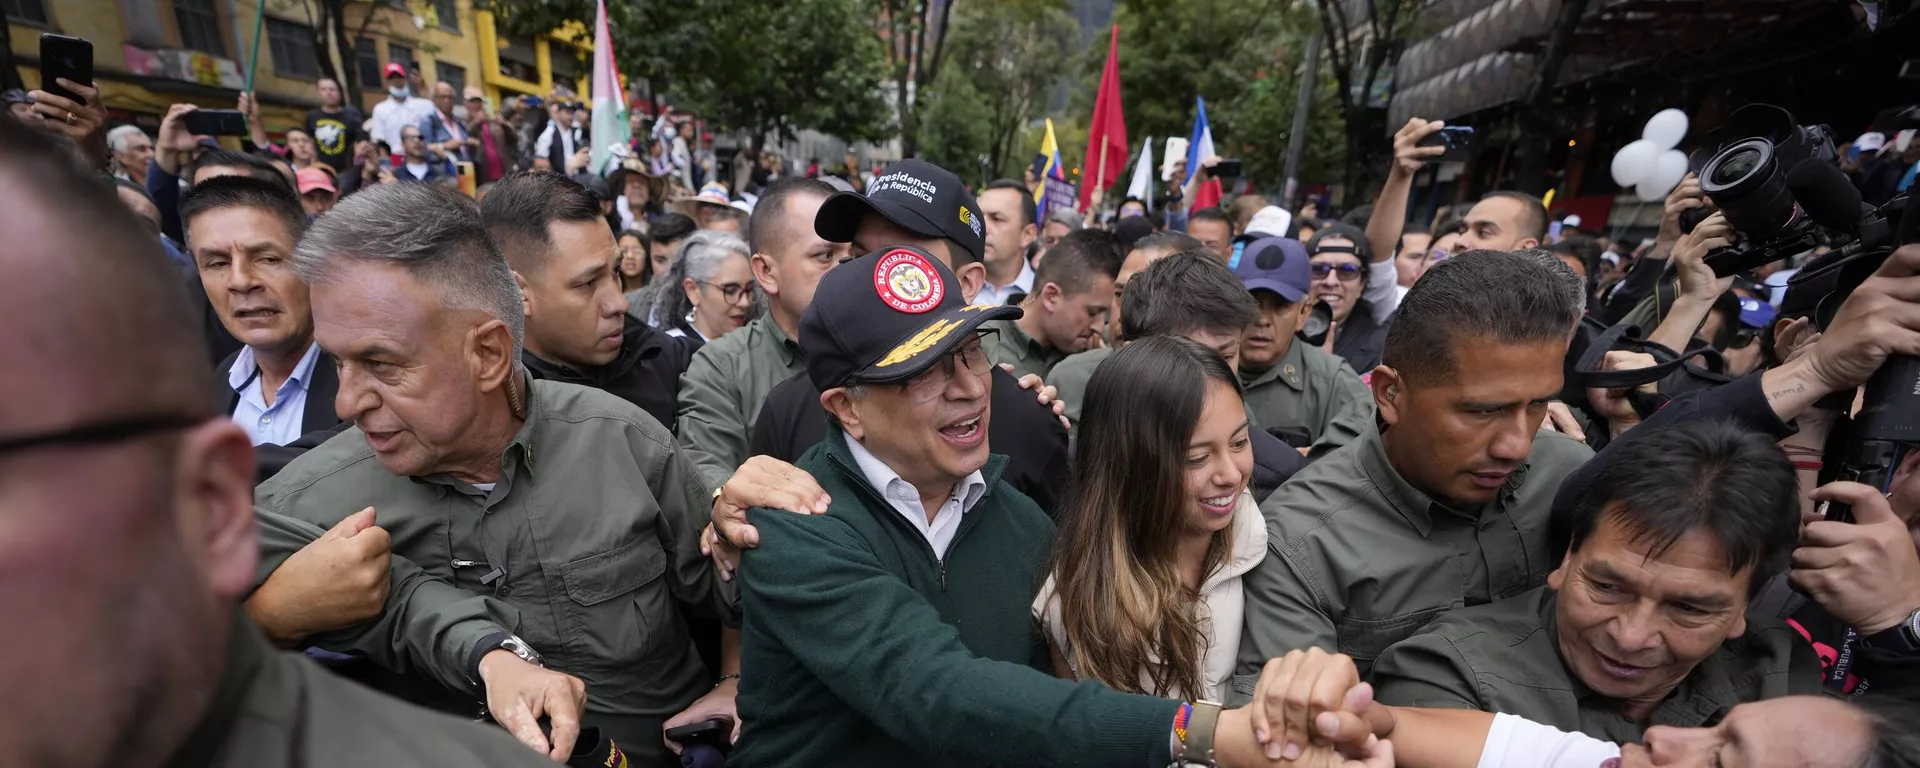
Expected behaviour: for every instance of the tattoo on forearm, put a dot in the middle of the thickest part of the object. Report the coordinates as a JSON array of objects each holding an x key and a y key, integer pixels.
[{"x": 1777, "y": 394}]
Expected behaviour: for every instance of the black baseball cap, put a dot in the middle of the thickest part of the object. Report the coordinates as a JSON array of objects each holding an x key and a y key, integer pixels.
[
  {"x": 1360, "y": 247},
  {"x": 915, "y": 195},
  {"x": 886, "y": 317}
]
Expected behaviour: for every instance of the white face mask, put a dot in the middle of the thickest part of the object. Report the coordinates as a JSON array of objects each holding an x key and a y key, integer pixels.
[{"x": 398, "y": 92}]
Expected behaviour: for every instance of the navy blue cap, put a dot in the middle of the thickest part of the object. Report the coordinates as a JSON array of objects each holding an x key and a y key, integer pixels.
[
  {"x": 1277, "y": 264},
  {"x": 916, "y": 195},
  {"x": 886, "y": 317},
  {"x": 1755, "y": 313}
]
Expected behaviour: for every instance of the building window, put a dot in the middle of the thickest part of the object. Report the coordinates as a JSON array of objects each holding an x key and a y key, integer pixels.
[
  {"x": 368, "y": 61},
  {"x": 566, "y": 65},
  {"x": 447, "y": 14},
  {"x": 26, "y": 11},
  {"x": 404, "y": 55},
  {"x": 292, "y": 46},
  {"x": 199, "y": 26},
  {"x": 451, "y": 75},
  {"x": 516, "y": 60}
]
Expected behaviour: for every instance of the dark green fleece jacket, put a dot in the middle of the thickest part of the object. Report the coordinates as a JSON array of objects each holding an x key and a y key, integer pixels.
[{"x": 862, "y": 648}]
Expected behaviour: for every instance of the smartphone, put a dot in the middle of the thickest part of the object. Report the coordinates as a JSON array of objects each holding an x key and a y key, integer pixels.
[
  {"x": 716, "y": 732},
  {"x": 216, "y": 122},
  {"x": 1227, "y": 169},
  {"x": 68, "y": 57},
  {"x": 1458, "y": 140}
]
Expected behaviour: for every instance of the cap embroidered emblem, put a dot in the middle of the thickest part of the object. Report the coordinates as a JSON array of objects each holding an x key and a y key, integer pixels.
[
  {"x": 907, "y": 282},
  {"x": 972, "y": 221}
]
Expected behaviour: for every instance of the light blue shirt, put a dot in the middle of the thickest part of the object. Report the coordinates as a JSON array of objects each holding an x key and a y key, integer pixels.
[
  {"x": 992, "y": 296},
  {"x": 279, "y": 423},
  {"x": 905, "y": 499}
]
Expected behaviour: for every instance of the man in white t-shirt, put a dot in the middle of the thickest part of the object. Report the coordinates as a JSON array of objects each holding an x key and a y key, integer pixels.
[{"x": 399, "y": 110}]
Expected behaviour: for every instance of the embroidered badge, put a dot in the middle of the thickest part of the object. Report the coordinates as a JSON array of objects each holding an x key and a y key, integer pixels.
[{"x": 908, "y": 282}]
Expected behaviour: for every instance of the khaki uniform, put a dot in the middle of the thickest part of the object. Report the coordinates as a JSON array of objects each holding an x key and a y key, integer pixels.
[
  {"x": 1505, "y": 657},
  {"x": 722, "y": 391},
  {"x": 1311, "y": 392},
  {"x": 588, "y": 540},
  {"x": 279, "y": 710},
  {"x": 1358, "y": 559},
  {"x": 1069, "y": 378},
  {"x": 1011, "y": 346}
]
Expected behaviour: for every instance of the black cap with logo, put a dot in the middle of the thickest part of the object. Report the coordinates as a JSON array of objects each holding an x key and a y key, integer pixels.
[
  {"x": 916, "y": 195},
  {"x": 885, "y": 317}
]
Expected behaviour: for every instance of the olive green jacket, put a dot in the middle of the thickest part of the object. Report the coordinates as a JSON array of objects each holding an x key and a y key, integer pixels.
[
  {"x": 1505, "y": 657},
  {"x": 587, "y": 542},
  {"x": 1358, "y": 559},
  {"x": 279, "y": 710},
  {"x": 1010, "y": 345},
  {"x": 1309, "y": 391},
  {"x": 1069, "y": 378},
  {"x": 723, "y": 389}
]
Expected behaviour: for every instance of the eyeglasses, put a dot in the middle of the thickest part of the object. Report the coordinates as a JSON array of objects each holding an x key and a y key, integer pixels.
[
  {"x": 410, "y": 137},
  {"x": 1744, "y": 338},
  {"x": 101, "y": 432},
  {"x": 730, "y": 291},
  {"x": 1348, "y": 272},
  {"x": 932, "y": 383}
]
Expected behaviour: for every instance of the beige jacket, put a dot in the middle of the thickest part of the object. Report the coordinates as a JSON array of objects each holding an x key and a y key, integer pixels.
[{"x": 1222, "y": 605}]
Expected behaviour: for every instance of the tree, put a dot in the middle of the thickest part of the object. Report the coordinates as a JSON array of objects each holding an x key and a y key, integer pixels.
[
  {"x": 915, "y": 36},
  {"x": 1256, "y": 124},
  {"x": 1357, "y": 49},
  {"x": 1003, "y": 57},
  {"x": 327, "y": 23}
]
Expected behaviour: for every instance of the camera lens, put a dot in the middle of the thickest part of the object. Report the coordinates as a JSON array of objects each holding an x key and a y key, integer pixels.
[{"x": 1745, "y": 182}]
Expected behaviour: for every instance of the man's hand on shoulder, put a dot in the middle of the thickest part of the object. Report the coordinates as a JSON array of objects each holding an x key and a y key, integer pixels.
[
  {"x": 763, "y": 481},
  {"x": 337, "y": 581},
  {"x": 1045, "y": 394}
]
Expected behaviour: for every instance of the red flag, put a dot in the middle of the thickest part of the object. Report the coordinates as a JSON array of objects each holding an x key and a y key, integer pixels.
[
  {"x": 1207, "y": 195},
  {"x": 1107, "y": 147}
]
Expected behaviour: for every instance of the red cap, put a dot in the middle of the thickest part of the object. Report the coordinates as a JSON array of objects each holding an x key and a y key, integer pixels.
[
  {"x": 311, "y": 179},
  {"x": 396, "y": 69}
]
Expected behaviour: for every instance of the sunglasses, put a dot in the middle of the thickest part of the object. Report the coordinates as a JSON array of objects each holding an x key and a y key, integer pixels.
[{"x": 1348, "y": 272}]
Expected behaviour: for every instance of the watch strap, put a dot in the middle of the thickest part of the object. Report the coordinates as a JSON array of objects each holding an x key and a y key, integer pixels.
[
  {"x": 1199, "y": 744},
  {"x": 1900, "y": 638}
]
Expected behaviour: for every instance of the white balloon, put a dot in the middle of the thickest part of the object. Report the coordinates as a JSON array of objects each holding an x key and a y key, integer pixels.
[
  {"x": 1650, "y": 191},
  {"x": 1666, "y": 128},
  {"x": 1634, "y": 162},
  {"x": 1668, "y": 169}
]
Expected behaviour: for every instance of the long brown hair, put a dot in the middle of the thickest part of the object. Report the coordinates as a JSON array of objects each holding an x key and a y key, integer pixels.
[{"x": 1123, "y": 603}]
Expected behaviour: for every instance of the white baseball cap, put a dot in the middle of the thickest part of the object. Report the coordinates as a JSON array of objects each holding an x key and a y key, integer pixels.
[{"x": 1871, "y": 141}]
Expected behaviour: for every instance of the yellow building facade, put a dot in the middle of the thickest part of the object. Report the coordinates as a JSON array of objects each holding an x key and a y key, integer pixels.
[{"x": 149, "y": 54}]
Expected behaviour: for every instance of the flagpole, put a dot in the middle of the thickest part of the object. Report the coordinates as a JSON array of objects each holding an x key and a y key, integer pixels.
[{"x": 1100, "y": 181}]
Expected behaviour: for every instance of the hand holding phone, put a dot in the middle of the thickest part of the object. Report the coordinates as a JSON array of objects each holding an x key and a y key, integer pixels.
[
  {"x": 1457, "y": 140},
  {"x": 215, "y": 122},
  {"x": 65, "y": 57}
]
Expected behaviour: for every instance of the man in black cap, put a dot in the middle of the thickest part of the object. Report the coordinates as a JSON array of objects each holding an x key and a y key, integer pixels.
[
  {"x": 893, "y": 630},
  {"x": 919, "y": 204}
]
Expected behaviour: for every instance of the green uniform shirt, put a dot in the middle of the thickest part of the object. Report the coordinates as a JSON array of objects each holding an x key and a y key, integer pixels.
[
  {"x": 1505, "y": 657},
  {"x": 859, "y": 647},
  {"x": 1069, "y": 378},
  {"x": 723, "y": 389},
  {"x": 1012, "y": 346},
  {"x": 1358, "y": 559},
  {"x": 279, "y": 710},
  {"x": 1312, "y": 392},
  {"x": 591, "y": 535},
  {"x": 427, "y": 624}
]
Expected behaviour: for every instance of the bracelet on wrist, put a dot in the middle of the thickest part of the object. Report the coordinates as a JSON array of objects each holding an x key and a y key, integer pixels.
[{"x": 724, "y": 678}]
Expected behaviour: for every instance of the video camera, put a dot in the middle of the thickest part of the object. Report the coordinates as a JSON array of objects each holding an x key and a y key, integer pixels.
[{"x": 1780, "y": 186}]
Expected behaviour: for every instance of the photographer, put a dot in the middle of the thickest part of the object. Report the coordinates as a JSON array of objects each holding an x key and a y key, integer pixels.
[
  {"x": 1626, "y": 301},
  {"x": 1863, "y": 578}
]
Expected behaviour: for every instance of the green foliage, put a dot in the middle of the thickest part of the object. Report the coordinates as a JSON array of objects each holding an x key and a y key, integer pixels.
[
  {"x": 1256, "y": 124},
  {"x": 764, "y": 66},
  {"x": 1002, "y": 57}
]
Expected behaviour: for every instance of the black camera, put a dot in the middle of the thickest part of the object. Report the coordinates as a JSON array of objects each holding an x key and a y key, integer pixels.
[{"x": 1778, "y": 183}]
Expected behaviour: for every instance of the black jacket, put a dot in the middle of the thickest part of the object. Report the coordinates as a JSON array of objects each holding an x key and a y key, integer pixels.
[
  {"x": 647, "y": 372},
  {"x": 1360, "y": 339},
  {"x": 322, "y": 385},
  {"x": 1026, "y": 432}
]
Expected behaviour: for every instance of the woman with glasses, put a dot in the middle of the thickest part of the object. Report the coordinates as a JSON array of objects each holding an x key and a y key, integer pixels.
[
  {"x": 716, "y": 289},
  {"x": 1338, "y": 256},
  {"x": 1144, "y": 593},
  {"x": 635, "y": 263}
]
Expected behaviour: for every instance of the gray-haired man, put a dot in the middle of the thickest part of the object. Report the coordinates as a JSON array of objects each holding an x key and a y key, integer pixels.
[{"x": 564, "y": 504}]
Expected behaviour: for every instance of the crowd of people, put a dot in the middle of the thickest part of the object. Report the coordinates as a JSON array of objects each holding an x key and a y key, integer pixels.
[{"x": 307, "y": 465}]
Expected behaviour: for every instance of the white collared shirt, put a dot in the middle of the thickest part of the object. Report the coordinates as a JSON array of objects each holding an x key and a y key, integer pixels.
[
  {"x": 279, "y": 423},
  {"x": 993, "y": 296},
  {"x": 905, "y": 499}
]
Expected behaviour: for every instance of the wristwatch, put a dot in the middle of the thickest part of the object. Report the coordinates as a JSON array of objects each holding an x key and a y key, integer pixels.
[
  {"x": 500, "y": 641},
  {"x": 1900, "y": 638},
  {"x": 1197, "y": 747},
  {"x": 518, "y": 647}
]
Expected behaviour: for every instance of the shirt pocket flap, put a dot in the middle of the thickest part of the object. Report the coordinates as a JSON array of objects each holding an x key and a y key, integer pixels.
[
  {"x": 602, "y": 577},
  {"x": 1366, "y": 639}
]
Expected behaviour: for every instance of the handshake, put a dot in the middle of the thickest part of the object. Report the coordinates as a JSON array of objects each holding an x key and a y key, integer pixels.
[{"x": 1311, "y": 710}]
